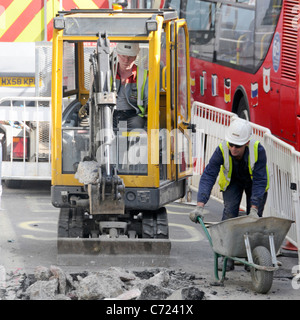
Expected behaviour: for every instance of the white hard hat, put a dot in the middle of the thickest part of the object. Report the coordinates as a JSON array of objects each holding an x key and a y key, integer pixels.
[
  {"x": 128, "y": 49},
  {"x": 239, "y": 132}
]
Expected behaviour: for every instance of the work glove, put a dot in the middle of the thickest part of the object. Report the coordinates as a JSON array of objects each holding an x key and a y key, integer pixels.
[
  {"x": 253, "y": 212},
  {"x": 197, "y": 212}
]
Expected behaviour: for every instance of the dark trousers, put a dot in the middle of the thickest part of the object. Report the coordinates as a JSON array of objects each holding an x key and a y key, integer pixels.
[
  {"x": 130, "y": 117},
  {"x": 232, "y": 197}
]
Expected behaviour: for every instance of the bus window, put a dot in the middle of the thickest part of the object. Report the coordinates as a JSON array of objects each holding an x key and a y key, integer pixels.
[
  {"x": 250, "y": 2},
  {"x": 173, "y": 4},
  {"x": 200, "y": 17},
  {"x": 267, "y": 14},
  {"x": 235, "y": 35}
]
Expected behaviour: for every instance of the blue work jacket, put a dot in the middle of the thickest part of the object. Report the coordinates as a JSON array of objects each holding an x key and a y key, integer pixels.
[{"x": 240, "y": 175}]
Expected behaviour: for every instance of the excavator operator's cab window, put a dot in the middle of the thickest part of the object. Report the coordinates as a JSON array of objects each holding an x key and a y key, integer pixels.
[{"x": 129, "y": 143}]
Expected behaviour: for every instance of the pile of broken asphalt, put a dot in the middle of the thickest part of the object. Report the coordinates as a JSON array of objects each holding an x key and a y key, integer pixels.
[{"x": 111, "y": 284}]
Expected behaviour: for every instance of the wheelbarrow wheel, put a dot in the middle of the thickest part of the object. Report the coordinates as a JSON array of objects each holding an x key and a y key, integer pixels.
[{"x": 261, "y": 280}]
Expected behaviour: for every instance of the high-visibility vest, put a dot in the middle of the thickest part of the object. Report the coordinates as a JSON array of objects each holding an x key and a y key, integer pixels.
[
  {"x": 141, "y": 78},
  {"x": 226, "y": 168},
  {"x": 141, "y": 81}
]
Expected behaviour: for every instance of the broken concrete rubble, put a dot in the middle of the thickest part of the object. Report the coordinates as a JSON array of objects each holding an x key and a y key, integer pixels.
[
  {"x": 111, "y": 284},
  {"x": 98, "y": 286},
  {"x": 43, "y": 290},
  {"x": 190, "y": 293}
]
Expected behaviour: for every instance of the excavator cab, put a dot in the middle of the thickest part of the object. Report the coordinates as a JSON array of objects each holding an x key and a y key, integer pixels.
[{"x": 112, "y": 181}]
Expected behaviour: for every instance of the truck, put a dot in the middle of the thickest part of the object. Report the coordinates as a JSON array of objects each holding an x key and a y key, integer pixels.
[
  {"x": 26, "y": 29},
  {"x": 112, "y": 183},
  {"x": 25, "y": 111},
  {"x": 25, "y": 84}
]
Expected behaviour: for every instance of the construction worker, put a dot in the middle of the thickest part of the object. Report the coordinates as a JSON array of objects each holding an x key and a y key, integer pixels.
[
  {"x": 241, "y": 163},
  {"x": 132, "y": 90},
  {"x": 132, "y": 87}
]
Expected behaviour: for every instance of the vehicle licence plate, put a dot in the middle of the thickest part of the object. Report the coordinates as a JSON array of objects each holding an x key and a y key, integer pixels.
[{"x": 17, "y": 81}]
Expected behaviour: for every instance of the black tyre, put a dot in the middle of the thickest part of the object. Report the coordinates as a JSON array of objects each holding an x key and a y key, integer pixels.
[
  {"x": 243, "y": 109},
  {"x": 261, "y": 280}
]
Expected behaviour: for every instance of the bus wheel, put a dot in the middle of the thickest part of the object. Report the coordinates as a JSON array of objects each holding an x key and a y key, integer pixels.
[{"x": 243, "y": 110}]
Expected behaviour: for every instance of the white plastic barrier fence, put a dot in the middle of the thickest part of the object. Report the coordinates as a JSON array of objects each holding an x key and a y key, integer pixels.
[
  {"x": 25, "y": 135},
  {"x": 283, "y": 164},
  {"x": 284, "y": 194}
]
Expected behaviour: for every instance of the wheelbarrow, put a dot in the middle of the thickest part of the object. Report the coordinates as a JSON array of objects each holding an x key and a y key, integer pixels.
[{"x": 250, "y": 241}]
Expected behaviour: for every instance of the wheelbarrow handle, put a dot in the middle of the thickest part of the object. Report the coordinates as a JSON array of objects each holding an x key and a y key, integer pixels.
[
  {"x": 216, "y": 255},
  {"x": 199, "y": 219}
]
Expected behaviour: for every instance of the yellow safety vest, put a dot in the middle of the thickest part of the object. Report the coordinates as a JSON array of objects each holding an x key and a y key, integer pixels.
[
  {"x": 226, "y": 168},
  {"x": 142, "y": 75},
  {"x": 141, "y": 78}
]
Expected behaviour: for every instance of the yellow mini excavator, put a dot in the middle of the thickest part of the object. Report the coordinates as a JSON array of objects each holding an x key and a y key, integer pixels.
[{"x": 111, "y": 181}]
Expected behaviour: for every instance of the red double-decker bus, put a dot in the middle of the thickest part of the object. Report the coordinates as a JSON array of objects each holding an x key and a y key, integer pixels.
[{"x": 245, "y": 59}]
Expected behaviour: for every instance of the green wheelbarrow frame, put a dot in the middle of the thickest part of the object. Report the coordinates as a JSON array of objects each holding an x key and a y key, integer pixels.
[{"x": 235, "y": 238}]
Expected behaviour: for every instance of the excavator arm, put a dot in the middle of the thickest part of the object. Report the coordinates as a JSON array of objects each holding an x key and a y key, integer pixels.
[{"x": 106, "y": 193}]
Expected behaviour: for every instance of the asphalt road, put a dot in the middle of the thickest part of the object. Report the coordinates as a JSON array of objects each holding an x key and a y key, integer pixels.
[{"x": 28, "y": 231}]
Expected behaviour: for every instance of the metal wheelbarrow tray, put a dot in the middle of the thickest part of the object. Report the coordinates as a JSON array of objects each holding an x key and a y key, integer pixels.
[
  {"x": 251, "y": 241},
  {"x": 228, "y": 236}
]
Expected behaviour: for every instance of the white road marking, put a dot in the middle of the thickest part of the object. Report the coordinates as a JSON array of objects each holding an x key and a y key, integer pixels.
[
  {"x": 195, "y": 234},
  {"x": 35, "y": 225}
]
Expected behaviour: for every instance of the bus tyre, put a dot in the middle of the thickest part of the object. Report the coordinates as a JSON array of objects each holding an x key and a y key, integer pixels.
[
  {"x": 242, "y": 109},
  {"x": 261, "y": 280}
]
